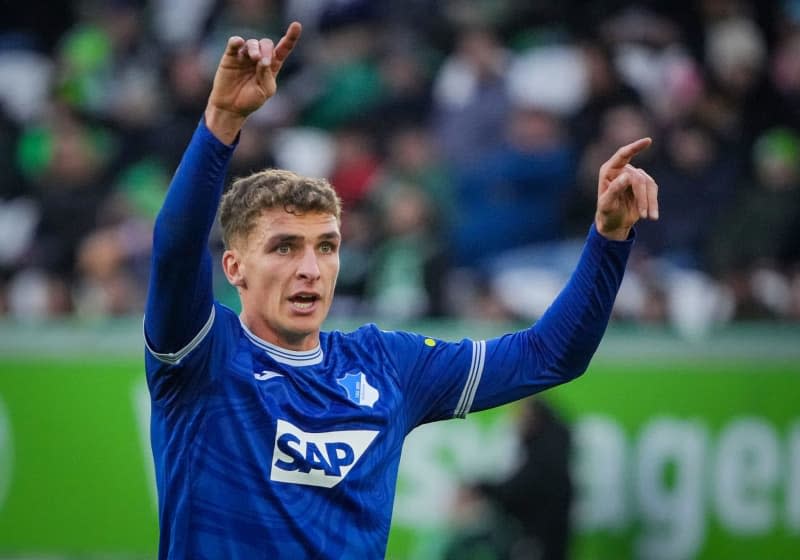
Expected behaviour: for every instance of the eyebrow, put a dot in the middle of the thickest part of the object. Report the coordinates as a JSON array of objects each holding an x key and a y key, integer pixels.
[
  {"x": 292, "y": 238},
  {"x": 331, "y": 235}
]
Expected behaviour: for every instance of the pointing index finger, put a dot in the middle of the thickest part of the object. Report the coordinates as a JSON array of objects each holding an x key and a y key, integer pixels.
[
  {"x": 285, "y": 45},
  {"x": 625, "y": 154}
]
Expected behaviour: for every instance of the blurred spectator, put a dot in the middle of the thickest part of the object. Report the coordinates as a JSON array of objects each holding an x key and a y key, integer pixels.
[
  {"x": 513, "y": 195},
  {"x": 537, "y": 496},
  {"x": 113, "y": 260},
  {"x": 479, "y": 530},
  {"x": 419, "y": 111},
  {"x": 757, "y": 243},
  {"x": 25, "y": 87},
  {"x": 407, "y": 281},
  {"x": 405, "y": 75},
  {"x": 180, "y": 22},
  {"x": 66, "y": 162},
  {"x": 253, "y": 152},
  {"x": 345, "y": 78},
  {"x": 741, "y": 101},
  {"x": 470, "y": 99},
  {"x": 412, "y": 157},
  {"x": 413, "y": 203},
  {"x": 605, "y": 88},
  {"x": 356, "y": 172},
  {"x": 785, "y": 71},
  {"x": 359, "y": 240},
  {"x": 35, "y": 24},
  {"x": 357, "y": 166},
  {"x": 187, "y": 82},
  {"x": 696, "y": 176},
  {"x": 11, "y": 184},
  {"x": 246, "y": 18},
  {"x": 107, "y": 68}
]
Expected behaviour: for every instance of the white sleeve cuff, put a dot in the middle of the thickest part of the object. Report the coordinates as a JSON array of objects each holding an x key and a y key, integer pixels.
[{"x": 173, "y": 358}]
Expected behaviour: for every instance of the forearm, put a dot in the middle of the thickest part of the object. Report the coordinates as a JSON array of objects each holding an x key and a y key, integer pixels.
[
  {"x": 180, "y": 295},
  {"x": 560, "y": 345},
  {"x": 570, "y": 331}
]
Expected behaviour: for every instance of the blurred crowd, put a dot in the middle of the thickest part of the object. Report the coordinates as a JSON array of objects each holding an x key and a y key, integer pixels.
[{"x": 464, "y": 137}]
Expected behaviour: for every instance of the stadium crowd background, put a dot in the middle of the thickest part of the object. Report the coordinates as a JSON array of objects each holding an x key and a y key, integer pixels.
[{"x": 464, "y": 137}]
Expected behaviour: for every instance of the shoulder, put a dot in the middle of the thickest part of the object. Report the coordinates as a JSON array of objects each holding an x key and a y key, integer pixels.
[
  {"x": 371, "y": 331},
  {"x": 222, "y": 324},
  {"x": 370, "y": 338},
  {"x": 226, "y": 317},
  {"x": 395, "y": 345},
  {"x": 365, "y": 335}
]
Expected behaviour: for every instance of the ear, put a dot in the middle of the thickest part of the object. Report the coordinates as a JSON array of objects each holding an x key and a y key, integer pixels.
[{"x": 233, "y": 268}]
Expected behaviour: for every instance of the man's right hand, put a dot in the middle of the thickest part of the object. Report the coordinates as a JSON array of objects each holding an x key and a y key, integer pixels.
[{"x": 245, "y": 79}]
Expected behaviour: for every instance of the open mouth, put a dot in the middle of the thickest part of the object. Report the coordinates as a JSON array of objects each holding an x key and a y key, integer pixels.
[{"x": 303, "y": 301}]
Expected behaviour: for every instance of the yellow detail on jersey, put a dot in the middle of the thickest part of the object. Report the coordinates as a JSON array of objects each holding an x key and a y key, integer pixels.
[{"x": 430, "y": 342}]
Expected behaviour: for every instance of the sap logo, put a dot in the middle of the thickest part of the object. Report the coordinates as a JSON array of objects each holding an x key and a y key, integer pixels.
[{"x": 316, "y": 459}]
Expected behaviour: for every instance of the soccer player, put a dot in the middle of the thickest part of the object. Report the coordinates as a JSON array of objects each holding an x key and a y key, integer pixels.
[{"x": 273, "y": 439}]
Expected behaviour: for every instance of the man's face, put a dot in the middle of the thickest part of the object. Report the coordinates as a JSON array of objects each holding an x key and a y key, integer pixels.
[{"x": 285, "y": 272}]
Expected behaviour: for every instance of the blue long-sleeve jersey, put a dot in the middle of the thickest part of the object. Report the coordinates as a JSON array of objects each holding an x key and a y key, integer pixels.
[{"x": 263, "y": 452}]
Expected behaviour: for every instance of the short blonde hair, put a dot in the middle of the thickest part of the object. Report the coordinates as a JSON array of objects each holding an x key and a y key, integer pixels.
[{"x": 248, "y": 197}]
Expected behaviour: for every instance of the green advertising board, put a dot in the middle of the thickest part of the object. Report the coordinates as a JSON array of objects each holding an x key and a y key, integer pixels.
[{"x": 682, "y": 451}]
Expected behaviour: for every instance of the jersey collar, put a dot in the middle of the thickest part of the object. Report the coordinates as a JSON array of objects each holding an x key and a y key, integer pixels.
[{"x": 294, "y": 358}]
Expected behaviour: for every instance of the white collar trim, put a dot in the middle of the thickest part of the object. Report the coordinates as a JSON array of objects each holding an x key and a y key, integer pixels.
[{"x": 282, "y": 355}]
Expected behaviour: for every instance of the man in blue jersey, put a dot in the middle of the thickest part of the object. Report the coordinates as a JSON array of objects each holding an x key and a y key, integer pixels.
[{"x": 273, "y": 439}]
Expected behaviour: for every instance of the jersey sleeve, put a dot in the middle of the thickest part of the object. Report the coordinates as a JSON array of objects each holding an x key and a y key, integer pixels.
[
  {"x": 437, "y": 378},
  {"x": 180, "y": 377},
  {"x": 450, "y": 379},
  {"x": 560, "y": 345},
  {"x": 179, "y": 309}
]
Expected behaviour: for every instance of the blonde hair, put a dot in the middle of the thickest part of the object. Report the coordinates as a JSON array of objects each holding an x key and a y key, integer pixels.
[{"x": 248, "y": 197}]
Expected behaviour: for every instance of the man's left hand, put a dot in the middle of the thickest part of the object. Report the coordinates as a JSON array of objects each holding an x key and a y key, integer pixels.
[{"x": 625, "y": 193}]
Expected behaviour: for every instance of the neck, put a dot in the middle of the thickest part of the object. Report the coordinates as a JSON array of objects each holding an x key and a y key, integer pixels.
[{"x": 289, "y": 340}]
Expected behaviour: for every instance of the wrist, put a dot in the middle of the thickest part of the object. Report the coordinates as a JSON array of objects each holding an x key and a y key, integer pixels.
[
  {"x": 223, "y": 124},
  {"x": 613, "y": 234}
]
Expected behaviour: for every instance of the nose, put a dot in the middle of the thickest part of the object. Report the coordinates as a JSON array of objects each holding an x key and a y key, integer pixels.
[{"x": 308, "y": 267}]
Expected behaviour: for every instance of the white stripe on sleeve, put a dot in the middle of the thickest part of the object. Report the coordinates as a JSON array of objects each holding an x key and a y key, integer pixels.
[{"x": 473, "y": 379}]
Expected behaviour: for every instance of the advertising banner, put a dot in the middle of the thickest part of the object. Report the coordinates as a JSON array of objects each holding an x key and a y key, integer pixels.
[{"x": 689, "y": 457}]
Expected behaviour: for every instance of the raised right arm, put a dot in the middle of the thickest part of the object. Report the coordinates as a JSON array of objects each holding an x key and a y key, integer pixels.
[{"x": 180, "y": 299}]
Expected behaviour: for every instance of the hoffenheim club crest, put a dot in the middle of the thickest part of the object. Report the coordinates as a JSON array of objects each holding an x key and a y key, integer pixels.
[{"x": 358, "y": 389}]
